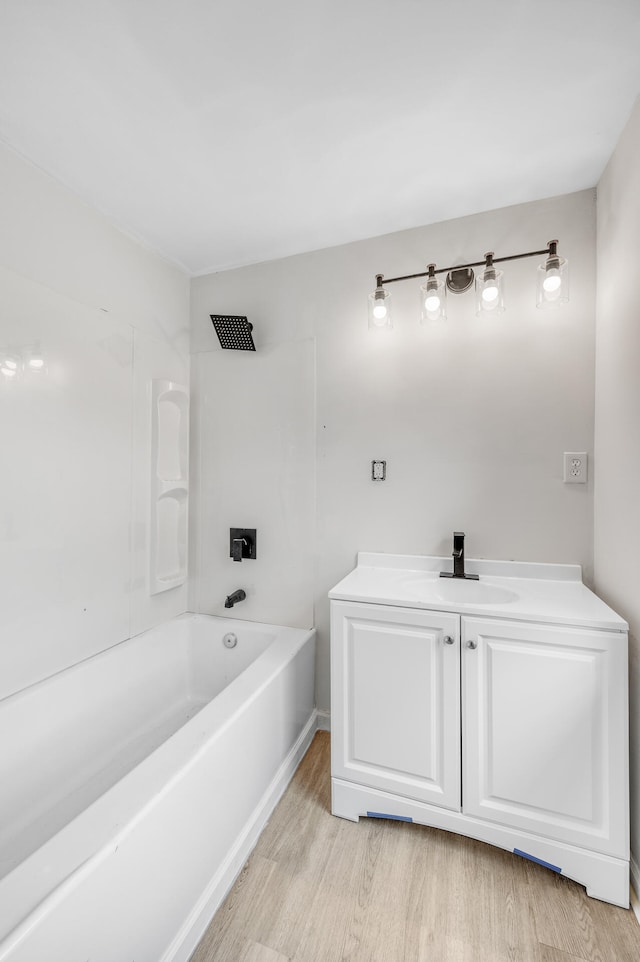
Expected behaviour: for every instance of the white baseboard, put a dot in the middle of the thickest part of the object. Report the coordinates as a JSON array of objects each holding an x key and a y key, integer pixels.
[
  {"x": 635, "y": 886},
  {"x": 212, "y": 898}
]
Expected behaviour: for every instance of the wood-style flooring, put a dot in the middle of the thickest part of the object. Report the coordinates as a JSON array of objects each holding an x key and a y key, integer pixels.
[{"x": 322, "y": 889}]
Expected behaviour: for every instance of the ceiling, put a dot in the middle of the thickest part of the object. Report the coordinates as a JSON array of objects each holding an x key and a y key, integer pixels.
[{"x": 226, "y": 132}]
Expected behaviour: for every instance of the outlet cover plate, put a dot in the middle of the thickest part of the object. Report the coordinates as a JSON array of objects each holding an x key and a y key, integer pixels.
[{"x": 575, "y": 467}]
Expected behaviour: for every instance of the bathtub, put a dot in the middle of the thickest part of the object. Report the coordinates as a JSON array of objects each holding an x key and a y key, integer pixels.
[{"x": 134, "y": 784}]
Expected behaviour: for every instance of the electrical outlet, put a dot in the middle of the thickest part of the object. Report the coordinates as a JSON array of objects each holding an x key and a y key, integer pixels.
[{"x": 575, "y": 467}]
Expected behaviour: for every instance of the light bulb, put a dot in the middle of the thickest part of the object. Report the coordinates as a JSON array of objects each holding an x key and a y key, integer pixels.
[
  {"x": 8, "y": 371},
  {"x": 10, "y": 363},
  {"x": 380, "y": 311},
  {"x": 36, "y": 363},
  {"x": 552, "y": 287},
  {"x": 432, "y": 301},
  {"x": 552, "y": 281},
  {"x": 489, "y": 293},
  {"x": 489, "y": 290},
  {"x": 380, "y": 307},
  {"x": 433, "y": 298}
]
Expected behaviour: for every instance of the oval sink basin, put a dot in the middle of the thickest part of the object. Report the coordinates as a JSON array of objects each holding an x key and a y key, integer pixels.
[{"x": 458, "y": 592}]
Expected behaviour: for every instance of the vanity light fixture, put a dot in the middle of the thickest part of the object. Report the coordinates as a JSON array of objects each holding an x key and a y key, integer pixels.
[
  {"x": 553, "y": 279},
  {"x": 552, "y": 287},
  {"x": 433, "y": 297},
  {"x": 380, "y": 307},
  {"x": 489, "y": 289}
]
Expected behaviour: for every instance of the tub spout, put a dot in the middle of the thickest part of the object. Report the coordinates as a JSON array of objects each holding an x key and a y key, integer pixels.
[{"x": 235, "y": 596}]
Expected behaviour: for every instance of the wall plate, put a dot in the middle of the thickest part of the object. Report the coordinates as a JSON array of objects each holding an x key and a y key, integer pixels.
[
  {"x": 575, "y": 467},
  {"x": 249, "y": 536},
  {"x": 378, "y": 470}
]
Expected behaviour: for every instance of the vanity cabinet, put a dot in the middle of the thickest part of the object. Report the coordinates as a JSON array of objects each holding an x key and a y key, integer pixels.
[
  {"x": 396, "y": 700},
  {"x": 508, "y": 731},
  {"x": 544, "y": 731}
]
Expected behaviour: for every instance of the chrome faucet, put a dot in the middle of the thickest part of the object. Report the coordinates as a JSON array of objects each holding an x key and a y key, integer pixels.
[{"x": 458, "y": 559}]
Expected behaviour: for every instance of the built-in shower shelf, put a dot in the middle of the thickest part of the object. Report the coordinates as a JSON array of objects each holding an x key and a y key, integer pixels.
[
  {"x": 177, "y": 489},
  {"x": 169, "y": 485},
  {"x": 169, "y": 581}
]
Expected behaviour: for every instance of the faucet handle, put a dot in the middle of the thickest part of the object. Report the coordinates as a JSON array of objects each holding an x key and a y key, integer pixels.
[
  {"x": 242, "y": 543},
  {"x": 458, "y": 544},
  {"x": 236, "y": 549}
]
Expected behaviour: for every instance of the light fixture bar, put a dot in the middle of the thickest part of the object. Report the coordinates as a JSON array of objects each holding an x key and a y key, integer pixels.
[{"x": 381, "y": 279}]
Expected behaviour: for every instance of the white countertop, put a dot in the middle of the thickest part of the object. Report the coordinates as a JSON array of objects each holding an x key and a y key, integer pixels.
[{"x": 522, "y": 591}]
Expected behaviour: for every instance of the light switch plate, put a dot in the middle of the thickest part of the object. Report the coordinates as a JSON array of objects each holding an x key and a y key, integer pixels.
[
  {"x": 378, "y": 470},
  {"x": 575, "y": 467}
]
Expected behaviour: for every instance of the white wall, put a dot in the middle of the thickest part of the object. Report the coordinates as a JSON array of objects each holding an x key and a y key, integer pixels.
[
  {"x": 107, "y": 316},
  {"x": 617, "y": 423},
  {"x": 471, "y": 417},
  {"x": 253, "y": 449}
]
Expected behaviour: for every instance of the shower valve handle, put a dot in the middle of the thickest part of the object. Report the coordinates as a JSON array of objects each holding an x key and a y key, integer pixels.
[
  {"x": 242, "y": 543},
  {"x": 237, "y": 548}
]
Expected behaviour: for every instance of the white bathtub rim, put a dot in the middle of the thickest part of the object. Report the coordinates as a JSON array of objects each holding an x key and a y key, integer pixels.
[
  {"x": 186, "y": 940},
  {"x": 187, "y": 617},
  {"x": 116, "y": 813},
  {"x": 95, "y": 656},
  {"x": 109, "y": 819}
]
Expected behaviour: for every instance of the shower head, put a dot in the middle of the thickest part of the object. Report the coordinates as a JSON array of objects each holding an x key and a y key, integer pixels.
[{"x": 234, "y": 332}]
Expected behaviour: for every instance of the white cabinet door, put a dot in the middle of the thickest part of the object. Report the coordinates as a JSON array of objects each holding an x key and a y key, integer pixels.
[
  {"x": 545, "y": 734},
  {"x": 395, "y": 712}
]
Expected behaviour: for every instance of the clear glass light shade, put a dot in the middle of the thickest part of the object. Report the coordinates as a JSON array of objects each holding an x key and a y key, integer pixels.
[
  {"x": 553, "y": 282},
  {"x": 433, "y": 300},
  {"x": 490, "y": 292},
  {"x": 380, "y": 310}
]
